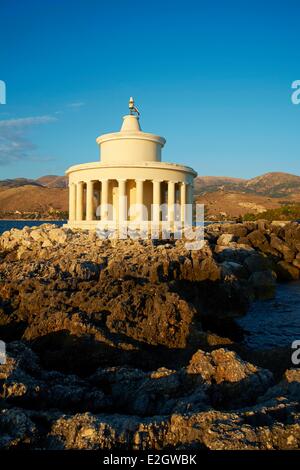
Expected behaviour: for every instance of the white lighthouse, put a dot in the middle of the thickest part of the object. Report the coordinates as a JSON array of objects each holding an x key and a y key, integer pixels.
[{"x": 130, "y": 183}]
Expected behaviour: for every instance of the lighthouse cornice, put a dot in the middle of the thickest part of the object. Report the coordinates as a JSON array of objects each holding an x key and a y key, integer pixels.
[
  {"x": 148, "y": 165},
  {"x": 131, "y": 135}
]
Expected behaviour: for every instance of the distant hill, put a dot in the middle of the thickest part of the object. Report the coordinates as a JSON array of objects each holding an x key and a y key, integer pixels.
[
  {"x": 274, "y": 184},
  {"x": 44, "y": 196},
  {"x": 17, "y": 182},
  {"x": 49, "y": 181},
  {"x": 213, "y": 183},
  {"x": 226, "y": 197},
  {"x": 270, "y": 184},
  {"x": 53, "y": 181},
  {"x": 32, "y": 198}
]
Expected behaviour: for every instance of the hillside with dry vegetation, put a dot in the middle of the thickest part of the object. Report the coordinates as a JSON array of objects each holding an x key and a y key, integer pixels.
[
  {"x": 46, "y": 197},
  {"x": 231, "y": 198}
]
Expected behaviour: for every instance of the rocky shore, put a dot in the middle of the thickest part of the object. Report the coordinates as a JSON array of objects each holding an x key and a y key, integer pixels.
[{"x": 133, "y": 343}]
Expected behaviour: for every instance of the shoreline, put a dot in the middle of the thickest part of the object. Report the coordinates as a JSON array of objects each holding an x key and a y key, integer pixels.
[{"x": 33, "y": 220}]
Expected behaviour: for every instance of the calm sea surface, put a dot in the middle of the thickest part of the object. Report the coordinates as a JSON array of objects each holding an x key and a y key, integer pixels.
[
  {"x": 9, "y": 224},
  {"x": 268, "y": 323},
  {"x": 276, "y": 322}
]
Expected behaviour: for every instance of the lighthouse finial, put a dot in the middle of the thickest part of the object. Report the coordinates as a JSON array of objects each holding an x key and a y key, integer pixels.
[{"x": 132, "y": 109}]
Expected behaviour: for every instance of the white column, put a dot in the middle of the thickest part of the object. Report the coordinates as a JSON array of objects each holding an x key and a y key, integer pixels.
[
  {"x": 122, "y": 200},
  {"x": 171, "y": 201},
  {"x": 72, "y": 202},
  {"x": 89, "y": 200},
  {"x": 156, "y": 201},
  {"x": 189, "y": 212},
  {"x": 182, "y": 201},
  {"x": 190, "y": 193},
  {"x": 79, "y": 201},
  {"x": 140, "y": 199},
  {"x": 104, "y": 199},
  {"x": 98, "y": 204}
]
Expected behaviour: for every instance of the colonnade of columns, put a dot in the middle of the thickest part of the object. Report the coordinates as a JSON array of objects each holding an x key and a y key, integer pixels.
[{"x": 77, "y": 211}]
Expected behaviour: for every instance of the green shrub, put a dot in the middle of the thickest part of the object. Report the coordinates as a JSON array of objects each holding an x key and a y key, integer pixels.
[{"x": 288, "y": 212}]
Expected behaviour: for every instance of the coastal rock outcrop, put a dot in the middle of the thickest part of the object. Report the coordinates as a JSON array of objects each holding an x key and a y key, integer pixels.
[
  {"x": 278, "y": 244},
  {"x": 132, "y": 343},
  {"x": 131, "y": 408}
]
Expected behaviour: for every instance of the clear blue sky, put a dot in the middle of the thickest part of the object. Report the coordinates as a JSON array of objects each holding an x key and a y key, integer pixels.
[{"x": 213, "y": 77}]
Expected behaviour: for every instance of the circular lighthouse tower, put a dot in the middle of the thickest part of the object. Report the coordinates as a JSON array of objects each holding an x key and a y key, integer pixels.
[{"x": 130, "y": 183}]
